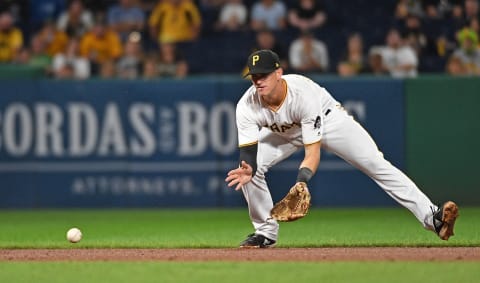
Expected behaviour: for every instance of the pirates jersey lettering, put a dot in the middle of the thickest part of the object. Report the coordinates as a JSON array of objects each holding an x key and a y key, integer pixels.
[{"x": 282, "y": 128}]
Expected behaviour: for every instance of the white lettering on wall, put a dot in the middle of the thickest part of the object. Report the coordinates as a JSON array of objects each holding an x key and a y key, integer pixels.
[
  {"x": 48, "y": 120},
  {"x": 83, "y": 133},
  {"x": 79, "y": 129},
  {"x": 143, "y": 143},
  {"x": 222, "y": 118},
  {"x": 112, "y": 136},
  {"x": 192, "y": 118},
  {"x": 17, "y": 119}
]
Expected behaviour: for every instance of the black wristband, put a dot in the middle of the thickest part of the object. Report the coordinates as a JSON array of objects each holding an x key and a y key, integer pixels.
[{"x": 304, "y": 175}]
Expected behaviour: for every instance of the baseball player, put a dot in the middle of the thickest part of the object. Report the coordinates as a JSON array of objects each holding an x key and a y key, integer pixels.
[{"x": 278, "y": 115}]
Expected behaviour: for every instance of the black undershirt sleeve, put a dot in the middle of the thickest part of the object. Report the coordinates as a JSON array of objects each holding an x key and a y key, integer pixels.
[{"x": 249, "y": 154}]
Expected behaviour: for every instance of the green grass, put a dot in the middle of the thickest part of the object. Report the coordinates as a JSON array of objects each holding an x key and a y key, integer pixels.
[
  {"x": 164, "y": 272},
  {"x": 224, "y": 228}
]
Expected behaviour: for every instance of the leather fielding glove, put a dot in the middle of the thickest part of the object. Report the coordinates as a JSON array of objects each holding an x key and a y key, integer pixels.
[{"x": 294, "y": 205}]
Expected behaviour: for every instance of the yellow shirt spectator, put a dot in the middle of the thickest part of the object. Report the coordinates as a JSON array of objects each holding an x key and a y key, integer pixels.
[
  {"x": 56, "y": 41},
  {"x": 175, "y": 21},
  {"x": 10, "y": 42},
  {"x": 101, "y": 45}
]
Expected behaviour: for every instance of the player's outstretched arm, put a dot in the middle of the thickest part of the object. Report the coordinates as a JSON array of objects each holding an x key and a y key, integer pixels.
[
  {"x": 240, "y": 176},
  {"x": 312, "y": 156}
]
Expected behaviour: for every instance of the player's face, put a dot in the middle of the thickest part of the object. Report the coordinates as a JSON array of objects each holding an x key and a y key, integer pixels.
[{"x": 266, "y": 83}]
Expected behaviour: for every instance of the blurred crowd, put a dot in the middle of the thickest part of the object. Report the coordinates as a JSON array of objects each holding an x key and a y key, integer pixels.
[{"x": 133, "y": 39}]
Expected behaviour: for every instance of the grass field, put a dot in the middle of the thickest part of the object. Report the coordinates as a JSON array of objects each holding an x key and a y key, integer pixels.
[
  {"x": 166, "y": 272},
  {"x": 226, "y": 228}
]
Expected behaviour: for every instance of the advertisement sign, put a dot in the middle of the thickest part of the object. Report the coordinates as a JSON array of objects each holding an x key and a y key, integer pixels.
[{"x": 162, "y": 143}]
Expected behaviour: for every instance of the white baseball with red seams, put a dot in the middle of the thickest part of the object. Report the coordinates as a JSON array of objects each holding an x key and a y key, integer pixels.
[
  {"x": 74, "y": 235},
  {"x": 307, "y": 115}
]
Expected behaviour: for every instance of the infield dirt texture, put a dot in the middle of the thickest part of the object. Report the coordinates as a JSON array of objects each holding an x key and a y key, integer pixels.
[{"x": 271, "y": 254}]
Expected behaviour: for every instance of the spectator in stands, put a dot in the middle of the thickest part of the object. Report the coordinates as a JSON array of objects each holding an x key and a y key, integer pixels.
[
  {"x": 76, "y": 20},
  {"x": 375, "y": 62},
  {"x": 107, "y": 70},
  {"x": 455, "y": 66},
  {"x": 171, "y": 64},
  {"x": 444, "y": 46},
  {"x": 268, "y": 14},
  {"x": 126, "y": 17},
  {"x": 463, "y": 12},
  {"x": 437, "y": 9},
  {"x": 352, "y": 62},
  {"x": 174, "y": 21},
  {"x": 150, "y": 70},
  {"x": 39, "y": 58},
  {"x": 55, "y": 40},
  {"x": 11, "y": 38},
  {"x": 445, "y": 42},
  {"x": 475, "y": 26},
  {"x": 472, "y": 10},
  {"x": 233, "y": 16},
  {"x": 415, "y": 36},
  {"x": 70, "y": 64},
  {"x": 307, "y": 15},
  {"x": 457, "y": 13},
  {"x": 18, "y": 9},
  {"x": 468, "y": 52},
  {"x": 100, "y": 45},
  {"x": 265, "y": 39},
  {"x": 431, "y": 9},
  {"x": 23, "y": 56},
  {"x": 399, "y": 59},
  {"x": 406, "y": 7},
  {"x": 129, "y": 66},
  {"x": 308, "y": 54},
  {"x": 457, "y": 7}
]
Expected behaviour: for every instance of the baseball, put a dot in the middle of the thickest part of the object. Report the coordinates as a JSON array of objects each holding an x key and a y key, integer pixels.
[{"x": 74, "y": 235}]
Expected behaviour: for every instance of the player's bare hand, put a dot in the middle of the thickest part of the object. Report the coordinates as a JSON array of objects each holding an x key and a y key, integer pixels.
[{"x": 239, "y": 176}]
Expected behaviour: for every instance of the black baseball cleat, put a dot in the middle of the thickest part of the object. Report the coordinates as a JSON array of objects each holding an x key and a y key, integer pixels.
[
  {"x": 257, "y": 241},
  {"x": 444, "y": 219}
]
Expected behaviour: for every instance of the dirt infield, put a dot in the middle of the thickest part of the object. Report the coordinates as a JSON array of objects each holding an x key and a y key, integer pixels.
[{"x": 234, "y": 254}]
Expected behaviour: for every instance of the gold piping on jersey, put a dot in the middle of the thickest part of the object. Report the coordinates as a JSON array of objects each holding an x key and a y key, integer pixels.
[
  {"x": 247, "y": 144},
  {"x": 313, "y": 142}
]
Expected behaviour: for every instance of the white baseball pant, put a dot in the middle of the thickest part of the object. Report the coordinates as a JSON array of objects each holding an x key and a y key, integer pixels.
[{"x": 346, "y": 138}]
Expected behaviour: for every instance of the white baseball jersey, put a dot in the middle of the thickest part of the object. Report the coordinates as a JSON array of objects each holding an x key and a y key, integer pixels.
[
  {"x": 302, "y": 119},
  {"x": 300, "y": 116}
]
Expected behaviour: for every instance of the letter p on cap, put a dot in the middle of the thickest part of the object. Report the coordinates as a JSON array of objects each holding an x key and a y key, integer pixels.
[{"x": 255, "y": 58}]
